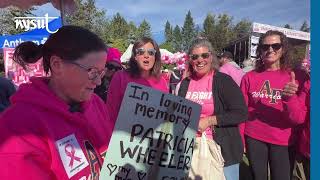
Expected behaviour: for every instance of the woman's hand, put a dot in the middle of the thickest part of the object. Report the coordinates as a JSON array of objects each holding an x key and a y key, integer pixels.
[
  {"x": 291, "y": 87},
  {"x": 206, "y": 122}
]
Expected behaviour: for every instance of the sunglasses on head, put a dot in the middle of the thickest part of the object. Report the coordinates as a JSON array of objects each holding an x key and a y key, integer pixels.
[
  {"x": 141, "y": 51},
  {"x": 203, "y": 56},
  {"x": 275, "y": 46},
  {"x": 113, "y": 67}
]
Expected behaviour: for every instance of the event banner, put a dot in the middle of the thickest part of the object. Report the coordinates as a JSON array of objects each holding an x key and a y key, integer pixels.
[
  {"x": 15, "y": 72},
  {"x": 153, "y": 138}
]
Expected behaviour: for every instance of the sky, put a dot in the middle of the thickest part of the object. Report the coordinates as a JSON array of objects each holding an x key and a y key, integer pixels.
[{"x": 272, "y": 12}]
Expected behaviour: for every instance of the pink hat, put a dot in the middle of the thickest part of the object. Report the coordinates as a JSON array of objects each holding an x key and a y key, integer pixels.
[{"x": 114, "y": 55}]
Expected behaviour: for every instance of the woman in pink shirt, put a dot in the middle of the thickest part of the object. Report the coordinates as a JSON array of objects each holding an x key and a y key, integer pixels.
[
  {"x": 56, "y": 127},
  {"x": 223, "y": 105},
  {"x": 269, "y": 135},
  {"x": 144, "y": 68},
  {"x": 297, "y": 108}
]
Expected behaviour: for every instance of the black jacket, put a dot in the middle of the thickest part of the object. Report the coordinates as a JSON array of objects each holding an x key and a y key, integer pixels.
[
  {"x": 231, "y": 110},
  {"x": 6, "y": 90}
]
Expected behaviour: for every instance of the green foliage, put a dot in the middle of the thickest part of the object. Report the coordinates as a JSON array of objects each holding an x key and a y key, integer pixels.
[
  {"x": 121, "y": 44},
  {"x": 297, "y": 54},
  {"x": 119, "y": 27},
  {"x": 177, "y": 39},
  {"x": 144, "y": 30},
  {"x": 305, "y": 27},
  {"x": 168, "y": 32},
  {"x": 188, "y": 31},
  {"x": 7, "y": 19},
  {"x": 89, "y": 16},
  {"x": 287, "y": 26},
  {"x": 242, "y": 28},
  {"x": 168, "y": 46}
]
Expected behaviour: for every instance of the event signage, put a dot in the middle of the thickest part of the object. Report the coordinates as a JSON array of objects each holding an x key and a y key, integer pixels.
[{"x": 153, "y": 138}]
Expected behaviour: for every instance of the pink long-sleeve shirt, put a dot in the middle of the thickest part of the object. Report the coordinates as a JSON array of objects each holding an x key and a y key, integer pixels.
[
  {"x": 263, "y": 95},
  {"x": 118, "y": 87}
]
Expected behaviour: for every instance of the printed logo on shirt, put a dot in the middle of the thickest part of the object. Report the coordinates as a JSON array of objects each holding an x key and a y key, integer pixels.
[
  {"x": 268, "y": 93},
  {"x": 199, "y": 97},
  {"x": 71, "y": 155},
  {"x": 95, "y": 164}
]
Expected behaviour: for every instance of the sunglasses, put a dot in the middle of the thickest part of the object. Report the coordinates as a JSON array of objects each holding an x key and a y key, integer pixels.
[
  {"x": 203, "y": 56},
  {"x": 113, "y": 67},
  {"x": 275, "y": 46},
  {"x": 141, "y": 51}
]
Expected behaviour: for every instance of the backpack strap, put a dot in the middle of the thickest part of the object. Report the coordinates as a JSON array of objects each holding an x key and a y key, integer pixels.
[{"x": 184, "y": 87}]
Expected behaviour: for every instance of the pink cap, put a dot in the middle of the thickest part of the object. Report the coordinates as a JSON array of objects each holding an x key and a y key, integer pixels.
[{"x": 114, "y": 55}]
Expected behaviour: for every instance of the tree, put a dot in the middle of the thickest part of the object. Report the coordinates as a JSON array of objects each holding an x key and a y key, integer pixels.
[
  {"x": 119, "y": 27},
  {"x": 144, "y": 30},
  {"x": 132, "y": 37},
  {"x": 223, "y": 32},
  {"x": 167, "y": 45},
  {"x": 305, "y": 27},
  {"x": 177, "y": 39},
  {"x": 7, "y": 23},
  {"x": 209, "y": 28},
  {"x": 89, "y": 16},
  {"x": 287, "y": 26},
  {"x": 242, "y": 28},
  {"x": 188, "y": 31},
  {"x": 168, "y": 32}
]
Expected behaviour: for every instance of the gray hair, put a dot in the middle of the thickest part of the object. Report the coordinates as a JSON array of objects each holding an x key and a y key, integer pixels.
[{"x": 201, "y": 42}]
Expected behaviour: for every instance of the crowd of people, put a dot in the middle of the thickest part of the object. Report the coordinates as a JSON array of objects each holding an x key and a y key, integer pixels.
[{"x": 66, "y": 119}]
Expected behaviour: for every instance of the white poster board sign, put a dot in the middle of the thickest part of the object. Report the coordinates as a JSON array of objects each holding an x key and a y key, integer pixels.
[{"x": 153, "y": 137}]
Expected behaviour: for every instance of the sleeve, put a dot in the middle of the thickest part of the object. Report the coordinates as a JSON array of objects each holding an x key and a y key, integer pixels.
[
  {"x": 22, "y": 155},
  {"x": 114, "y": 97},
  {"x": 296, "y": 107},
  {"x": 11, "y": 88},
  {"x": 236, "y": 109}
]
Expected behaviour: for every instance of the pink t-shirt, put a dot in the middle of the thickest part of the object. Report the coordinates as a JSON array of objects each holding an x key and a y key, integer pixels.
[
  {"x": 118, "y": 87},
  {"x": 200, "y": 91}
]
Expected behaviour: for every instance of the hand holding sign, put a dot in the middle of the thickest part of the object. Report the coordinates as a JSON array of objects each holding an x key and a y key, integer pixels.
[{"x": 291, "y": 87}]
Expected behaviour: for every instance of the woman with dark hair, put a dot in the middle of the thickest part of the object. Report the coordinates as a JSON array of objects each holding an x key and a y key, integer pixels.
[
  {"x": 269, "y": 135},
  {"x": 56, "y": 127},
  {"x": 223, "y": 106},
  {"x": 144, "y": 68}
]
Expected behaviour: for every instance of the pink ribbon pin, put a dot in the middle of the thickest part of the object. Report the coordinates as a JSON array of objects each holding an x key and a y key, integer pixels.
[{"x": 71, "y": 154}]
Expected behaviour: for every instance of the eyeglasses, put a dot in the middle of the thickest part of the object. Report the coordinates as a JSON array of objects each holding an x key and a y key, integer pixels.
[
  {"x": 112, "y": 67},
  {"x": 93, "y": 73},
  {"x": 141, "y": 51},
  {"x": 275, "y": 46},
  {"x": 203, "y": 56}
]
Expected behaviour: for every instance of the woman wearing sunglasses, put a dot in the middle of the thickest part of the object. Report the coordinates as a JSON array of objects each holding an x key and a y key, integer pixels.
[
  {"x": 223, "y": 106},
  {"x": 56, "y": 127},
  {"x": 113, "y": 64},
  {"x": 269, "y": 135},
  {"x": 144, "y": 68}
]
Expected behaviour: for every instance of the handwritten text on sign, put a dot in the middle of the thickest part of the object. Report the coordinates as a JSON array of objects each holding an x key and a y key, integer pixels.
[{"x": 153, "y": 137}]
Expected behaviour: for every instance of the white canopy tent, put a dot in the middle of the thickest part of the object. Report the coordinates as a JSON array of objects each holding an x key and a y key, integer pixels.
[{"x": 127, "y": 54}]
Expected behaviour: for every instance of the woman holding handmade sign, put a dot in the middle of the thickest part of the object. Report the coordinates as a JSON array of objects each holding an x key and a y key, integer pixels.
[
  {"x": 223, "y": 108},
  {"x": 144, "y": 68},
  {"x": 56, "y": 127}
]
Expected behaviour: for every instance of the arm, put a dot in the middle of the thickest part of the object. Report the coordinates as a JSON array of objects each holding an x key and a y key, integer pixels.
[
  {"x": 114, "y": 97},
  {"x": 22, "y": 153},
  {"x": 236, "y": 110},
  {"x": 296, "y": 107}
]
